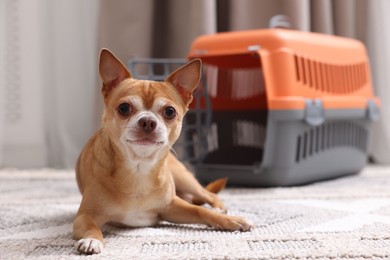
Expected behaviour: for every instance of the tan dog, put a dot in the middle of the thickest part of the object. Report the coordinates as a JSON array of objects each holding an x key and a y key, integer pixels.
[{"x": 126, "y": 172}]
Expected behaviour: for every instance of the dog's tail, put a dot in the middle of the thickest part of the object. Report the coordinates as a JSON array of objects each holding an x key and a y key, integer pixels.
[{"x": 217, "y": 185}]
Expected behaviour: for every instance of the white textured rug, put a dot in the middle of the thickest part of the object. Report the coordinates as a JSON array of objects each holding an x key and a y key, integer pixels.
[{"x": 347, "y": 218}]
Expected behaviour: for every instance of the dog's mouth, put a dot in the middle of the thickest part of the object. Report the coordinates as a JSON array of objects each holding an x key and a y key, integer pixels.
[{"x": 144, "y": 142}]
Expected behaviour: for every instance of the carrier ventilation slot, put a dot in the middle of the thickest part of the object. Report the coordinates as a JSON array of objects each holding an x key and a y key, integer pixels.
[
  {"x": 330, "y": 78},
  {"x": 248, "y": 134},
  {"x": 233, "y": 83},
  {"x": 244, "y": 134},
  {"x": 331, "y": 135}
]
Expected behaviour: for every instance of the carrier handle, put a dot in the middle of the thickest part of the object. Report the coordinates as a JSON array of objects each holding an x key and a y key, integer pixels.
[{"x": 280, "y": 21}]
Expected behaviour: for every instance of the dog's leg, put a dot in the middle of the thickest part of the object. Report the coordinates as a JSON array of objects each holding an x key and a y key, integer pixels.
[
  {"x": 186, "y": 183},
  {"x": 88, "y": 234},
  {"x": 180, "y": 211},
  {"x": 211, "y": 190}
]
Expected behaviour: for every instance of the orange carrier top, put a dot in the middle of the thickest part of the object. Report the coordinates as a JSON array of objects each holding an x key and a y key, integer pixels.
[{"x": 296, "y": 65}]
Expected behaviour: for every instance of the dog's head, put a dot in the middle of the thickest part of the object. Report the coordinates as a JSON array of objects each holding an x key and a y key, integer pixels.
[{"x": 145, "y": 116}]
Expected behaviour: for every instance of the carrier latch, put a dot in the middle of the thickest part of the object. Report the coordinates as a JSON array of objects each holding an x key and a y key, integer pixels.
[
  {"x": 372, "y": 111},
  {"x": 314, "y": 112}
]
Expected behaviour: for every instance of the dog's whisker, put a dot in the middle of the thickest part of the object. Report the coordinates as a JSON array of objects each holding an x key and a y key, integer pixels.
[{"x": 173, "y": 151}]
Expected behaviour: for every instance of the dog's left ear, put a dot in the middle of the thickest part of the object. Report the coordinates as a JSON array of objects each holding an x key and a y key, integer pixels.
[{"x": 186, "y": 79}]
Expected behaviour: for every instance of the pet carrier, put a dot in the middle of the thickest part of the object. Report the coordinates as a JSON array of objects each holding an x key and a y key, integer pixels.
[
  {"x": 275, "y": 107},
  {"x": 286, "y": 107}
]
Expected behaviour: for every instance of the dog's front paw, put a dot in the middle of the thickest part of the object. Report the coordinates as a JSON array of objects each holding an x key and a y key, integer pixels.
[
  {"x": 234, "y": 223},
  {"x": 89, "y": 246}
]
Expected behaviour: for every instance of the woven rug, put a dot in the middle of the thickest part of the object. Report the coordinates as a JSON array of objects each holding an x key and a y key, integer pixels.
[{"x": 346, "y": 218}]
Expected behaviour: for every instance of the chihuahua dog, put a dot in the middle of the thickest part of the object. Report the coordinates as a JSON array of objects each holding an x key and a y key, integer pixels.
[{"x": 126, "y": 172}]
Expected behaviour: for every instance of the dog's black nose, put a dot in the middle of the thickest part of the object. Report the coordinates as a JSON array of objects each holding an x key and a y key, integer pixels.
[{"x": 147, "y": 124}]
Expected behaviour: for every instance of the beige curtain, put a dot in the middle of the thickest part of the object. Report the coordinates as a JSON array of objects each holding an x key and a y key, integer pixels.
[{"x": 166, "y": 28}]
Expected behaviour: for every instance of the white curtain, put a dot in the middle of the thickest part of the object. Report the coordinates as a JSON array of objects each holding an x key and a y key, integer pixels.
[
  {"x": 377, "y": 39},
  {"x": 2, "y": 78},
  {"x": 49, "y": 87},
  {"x": 71, "y": 91},
  {"x": 48, "y": 83},
  {"x": 21, "y": 85}
]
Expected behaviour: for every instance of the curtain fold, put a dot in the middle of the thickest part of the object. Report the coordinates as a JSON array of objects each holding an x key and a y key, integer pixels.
[
  {"x": 184, "y": 21},
  {"x": 126, "y": 27},
  {"x": 321, "y": 16},
  {"x": 2, "y": 79}
]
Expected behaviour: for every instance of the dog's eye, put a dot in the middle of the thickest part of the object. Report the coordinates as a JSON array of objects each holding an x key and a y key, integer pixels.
[
  {"x": 169, "y": 112},
  {"x": 124, "y": 109}
]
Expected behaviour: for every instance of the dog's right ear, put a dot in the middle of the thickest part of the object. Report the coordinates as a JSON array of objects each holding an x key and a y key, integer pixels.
[{"x": 111, "y": 70}]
